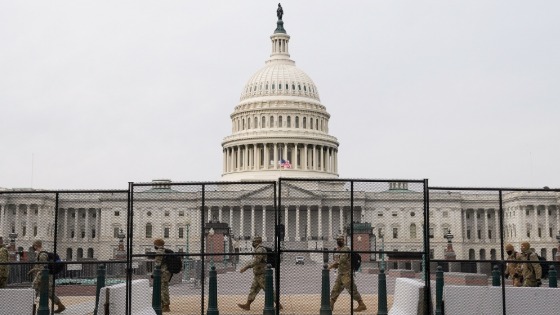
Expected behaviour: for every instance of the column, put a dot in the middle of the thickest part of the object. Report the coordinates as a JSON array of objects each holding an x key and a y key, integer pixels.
[
  {"x": 209, "y": 215},
  {"x": 476, "y": 225},
  {"x": 231, "y": 217},
  {"x": 523, "y": 228},
  {"x": 252, "y": 221},
  {"x": 336, "y": 161},
  {"x": 286, "y": 235},
  {"x": 28, "y": 231},
  {"x": 285, "y": 152},
  {"x": 323, "y": 159},
  {"x": 67, "y": 223},
  {"x": 256, "y": 157},
  {"x": 465, "y": 227},
  {"x": 220, "y": 214},
  {"x": 224, "y": 161},
  {"x": 86, "y": 227},
  {"x": 17, "y": 222},
  {"x": 76, "y": 218},
  {"x": 535, "y": 225},
  {"x": 2, "y": 219},
  {"x": 237, "y": 164},
  {"x": 98, "y": 227},
  {"x": 557, "y": 220},
  {"x": 308, "y": 234},
  {"x": 231, "y": 160},
  {"x": 304, "y": 162},
  {"x": 341, "y": 222},
  {"x": 241, "y": 219},
  {"x": 546, "y": 223},
  {"x": 319, "y": 218},
  {"x": 296, "y": 154},
  {"x": 297, "y": 224},
  {"x": 330, "y": 224},
  {"x": 497, "y": 225},
  {"x": 266, "y": 161},
  {"x": 275, "y": 159},
  {"x": 485, "y": 234},
  {"x": 264, "y": 224}
]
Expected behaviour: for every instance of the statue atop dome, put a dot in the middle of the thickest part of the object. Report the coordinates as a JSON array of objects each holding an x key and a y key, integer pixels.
[{"x": 279, "y": 12}]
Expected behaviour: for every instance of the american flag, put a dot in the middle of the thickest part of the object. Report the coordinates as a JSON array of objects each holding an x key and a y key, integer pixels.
[{"x": 285, "y": 163}]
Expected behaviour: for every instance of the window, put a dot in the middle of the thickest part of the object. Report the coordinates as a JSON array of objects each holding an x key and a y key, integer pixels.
[
  {"x": 280, "y": 122},
  {"x": 271, "y": 122},
  {"x": 92, "y": 233},
  {"x": 149, "y": 213},
  {"x": 412, "y": 214},
  {"x": 539, "y": 231},
  {"x": 148, "y": 230},
  {"x": 489, "y": 234},
  {"x": 297, "y": 121},
  {"x": 394, "y": 213},
  {"x": 468, "y": 216},
  {"x": 256, "y": 122},
  {"x": 166, "y": 213},
  {"x": 304, "y": 122},
  {"x": 526, "y": 212},
  {"x": 115, "y": 232},
  {"x": 395, "y": 233},
  {"x": 117, "y": 213},
  {"x": 72, "y": 234},
  {"x": 431, "y": 232},
  {"x": 478, "y": 234},
  {"x": 181, "y": 213},
  {"x": 166, "y": 232},
  {"x": 83, "y": 234},
  {"x": 445, "y": 214},
  {"x": 379, "y": 214},
  {"x": 477, "y": 215},
  {"x": 35, "y": 231},
  {"x": 310, "y": 123},
  {"x": 468, "y": 234},
  {"x": 181, "y": 232},
  {"x": 549, "y": 232},
  {"x": 289, "y": 122},
  {"x": 24, "y": 230}
]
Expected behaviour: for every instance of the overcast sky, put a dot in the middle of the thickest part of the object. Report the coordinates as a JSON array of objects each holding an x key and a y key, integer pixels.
[{"x": 96, "y": 94}]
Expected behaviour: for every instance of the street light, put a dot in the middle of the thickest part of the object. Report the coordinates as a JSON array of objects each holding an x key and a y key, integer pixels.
[
  {"x": 382, "y": 250},
  {"x": 210, "y": 235},
  {"x": 187, "y": 258},
  {"x": 373, "y": 256}
]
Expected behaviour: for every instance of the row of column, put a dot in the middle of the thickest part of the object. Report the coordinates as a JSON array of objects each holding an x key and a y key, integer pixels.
[
  {"x": 535, "y": 222},
  {"x": 32, "y": 221},
  {"x": 89, "y": 218},
  {"x": 485, "y": 224},
  {"x": 257, "y": 157}
]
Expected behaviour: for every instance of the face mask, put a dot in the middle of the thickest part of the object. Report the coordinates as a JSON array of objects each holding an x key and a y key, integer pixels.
[
  {"x": 255, "y": 244},
  {"x": 340, "y": 243},
  {"x": 155, "y": 247},
  {"x": 509, "y": 252}
]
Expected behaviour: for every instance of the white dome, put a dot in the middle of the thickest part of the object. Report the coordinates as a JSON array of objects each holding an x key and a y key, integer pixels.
[{"x": 280, "y": 78}]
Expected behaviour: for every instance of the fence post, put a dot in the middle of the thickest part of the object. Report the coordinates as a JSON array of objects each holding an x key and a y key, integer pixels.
[
  {"x": 100, "y": 284},
  {"x": 439, "y": 290},
  {"x": 44, "y": 292},
  {"x": 325, "y": 292},
  {"x": 382, "y": 293},
  {"x": 213, "y": 293},
  {"x": 496, "y": 276},
  {"x": 156, "y": 295},
  {"x": 552, "y": 280},
  {"x": 268, "y": 292}
]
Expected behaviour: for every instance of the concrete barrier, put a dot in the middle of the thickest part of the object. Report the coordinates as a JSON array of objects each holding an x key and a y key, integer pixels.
[
  {"x": 115, "y": 297},
  {"x": 487, "y": 300},
  {"x": 408, "y": 297},
  {"x": 17, "y": 301}
]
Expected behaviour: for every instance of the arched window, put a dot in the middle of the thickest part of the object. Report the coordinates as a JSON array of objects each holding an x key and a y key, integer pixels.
[
  {"x": 69, "y": 254},
  {"x": 297, "y": 121},
  {"x": 413, "y": 231},
  {"x": 310, "y": 123},
  {"x": 543, "y": 253},
  {"x": 248, "y": 123},
  {"x": 316, "y": 124},
  {"x": 148, "y": 230},
  {"x": 289, "y": 122},
  {"x": 256, "y": 125},
  {"x": 243, "y": 124},
  {"x": 471, "y": 254},
  {"x": 293, "y": 87},
  {"x": 263, "y": 122},
  {"x": 280, "y": 122},
  {"x": 90, "y": 253},
  {"x": 304, "y": 122},
  {"x": 80, "y": 254},
  {"x": 279, "y": 86},
  {"x": 482, "y": 254},
  {"x": 271, "y": 122},
  {"x": 493, "y": 254}
]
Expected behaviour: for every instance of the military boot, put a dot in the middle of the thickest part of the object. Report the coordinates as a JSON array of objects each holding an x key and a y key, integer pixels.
[
  {"x": 166, "y": 308},
  {"x": 279, "y": 306},
  {"x": 60, "y": 307},
  {"x": 361, "y": 306},
  {"x": 246, "y": 306}
]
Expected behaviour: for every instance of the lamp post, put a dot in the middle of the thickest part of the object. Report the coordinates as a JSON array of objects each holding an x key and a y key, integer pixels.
[
  {"x": 187, "y": 258},
  {"x": 12, "y": 246},
  {"x": 382, "y": 251},
  {"x": 210, "y": 238},
  {"x": 225, "y": 253},
  {"x": 373, "y": 256}
]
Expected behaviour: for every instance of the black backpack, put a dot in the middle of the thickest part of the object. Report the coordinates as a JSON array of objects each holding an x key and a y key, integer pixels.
[
  {"x": 270, "y": 257},
  {"x": 54, "y": 264},
  {"x": 356, "y": 260},
  {"x": 173, "y": 262}
]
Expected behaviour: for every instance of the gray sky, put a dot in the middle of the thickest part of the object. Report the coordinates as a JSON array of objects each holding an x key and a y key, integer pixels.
[{"x": 100, "y": 93}]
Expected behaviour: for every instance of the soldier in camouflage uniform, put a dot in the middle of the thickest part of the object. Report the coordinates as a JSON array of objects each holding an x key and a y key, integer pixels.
[
  {"x": 42, "y": 260},
  {"x": 259, "y": 267},
  {"x": 512, "y": 267},
  {"x": 4, "y": 269},
  {"x": 344, "y": 277},
  {"x": 165, "y": 274},
  {"x": 531, "y": 271}
]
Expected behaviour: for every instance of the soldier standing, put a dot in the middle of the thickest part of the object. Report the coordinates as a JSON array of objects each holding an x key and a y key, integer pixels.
[
  {"x": 512, "y": 267},
  {"x": 530, "y": 266},
  {"x": 344, "y": 277},
  {"x": 4, "y": 269},
  {"x": 259, "y": 267},
  {"x": 165, "y": 274},
  {"x": 43, "y": 259}
]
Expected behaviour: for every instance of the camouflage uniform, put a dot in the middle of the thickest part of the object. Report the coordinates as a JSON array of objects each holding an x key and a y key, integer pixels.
[
  {"x": 42, "y": 260},
  {"x": 513, "y": 269},
  {"x": 4, "y": 269},
  {"x": 259, "y": 267},
  {"x": 344, "y": 277},
  {"x": 165, "y": 276},
  {"x": 531, "y": 271}
]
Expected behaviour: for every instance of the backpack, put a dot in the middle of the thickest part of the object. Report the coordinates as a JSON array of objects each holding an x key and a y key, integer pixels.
[
  {"x": 173, "y": 262},
  {"x": 544, "y": 266},
  {"x": 54, "y": 264},
  {"x": 270, "y": 257},
  {"x": 356, "y": 260}
]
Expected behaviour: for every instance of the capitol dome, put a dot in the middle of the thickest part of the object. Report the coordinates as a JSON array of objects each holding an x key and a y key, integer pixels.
[{"x": 279, "y": 127}]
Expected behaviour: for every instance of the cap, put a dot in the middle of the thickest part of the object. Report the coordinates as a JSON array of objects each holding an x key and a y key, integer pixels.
[
  {"x": 159, "y": 242},
  {"x": 340, "y": 237},
  {"x": 525, "y": 246},
  {"x": 257, "y": 239},
  {"x": 509, "y": 247}
]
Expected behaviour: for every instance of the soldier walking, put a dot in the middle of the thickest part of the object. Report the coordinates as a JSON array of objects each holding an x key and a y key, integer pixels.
[
  {"x": 344, "y": 277},
  {"x": 259, "y": 267},
  {"x": 513, "y": 269},
  {"x": 165, "y": 274},
  {"x": 43, "y": 259},
  {"x": 4, "y": 269},
  {"x": 530, "y": 266}
]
